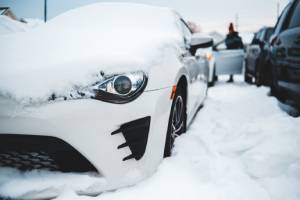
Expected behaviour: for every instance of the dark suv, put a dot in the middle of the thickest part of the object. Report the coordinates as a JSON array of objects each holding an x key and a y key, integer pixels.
[
  {"x": 285, "y": 55},
  {"x": 257, "y": 58}
]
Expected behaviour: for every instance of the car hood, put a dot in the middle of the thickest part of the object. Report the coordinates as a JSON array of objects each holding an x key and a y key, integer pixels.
[{"x": 72, "y": 49}]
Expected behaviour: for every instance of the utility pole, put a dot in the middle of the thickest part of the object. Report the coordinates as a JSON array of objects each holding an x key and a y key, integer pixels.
[
  {"x": 237, "y": 22},
  {"x": 45, "y": 10}
]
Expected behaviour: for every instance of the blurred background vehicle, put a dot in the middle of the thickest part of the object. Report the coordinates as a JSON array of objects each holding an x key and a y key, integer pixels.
[
  {"x": 256, "y": 61},
  {"x": 222, "y": 61},
  {"x": 285, "y": 55},
  {"x": 225, "y": 61}
]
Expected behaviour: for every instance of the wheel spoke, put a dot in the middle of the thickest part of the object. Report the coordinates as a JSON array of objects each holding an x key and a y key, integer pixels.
[
  {"x": 177, "y": 120},
  {"x": 176, "y": 131}
]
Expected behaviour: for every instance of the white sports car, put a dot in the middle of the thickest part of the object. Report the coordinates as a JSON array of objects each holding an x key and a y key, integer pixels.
[{"x": 104, "y": 88}]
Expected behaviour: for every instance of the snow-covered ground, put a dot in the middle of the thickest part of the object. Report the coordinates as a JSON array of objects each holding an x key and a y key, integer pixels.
[{"x": 240, "y": 146}]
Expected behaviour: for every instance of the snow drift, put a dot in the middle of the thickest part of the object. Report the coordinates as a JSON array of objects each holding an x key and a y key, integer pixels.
[{"x": 74, "y": 47}]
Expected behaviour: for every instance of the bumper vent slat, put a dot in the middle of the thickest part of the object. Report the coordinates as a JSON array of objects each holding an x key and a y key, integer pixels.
[
  {"x": 136, "y": 136},
  {"x": 128, "y": 157},
  {"x": 116, "y": 132}
]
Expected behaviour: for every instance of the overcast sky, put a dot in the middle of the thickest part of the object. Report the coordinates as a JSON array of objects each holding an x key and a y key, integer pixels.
[{"x": 210, "y": 14}]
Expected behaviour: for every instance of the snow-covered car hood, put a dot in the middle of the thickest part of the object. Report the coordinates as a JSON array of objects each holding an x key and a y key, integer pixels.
[{"x": 72, "y": 49}]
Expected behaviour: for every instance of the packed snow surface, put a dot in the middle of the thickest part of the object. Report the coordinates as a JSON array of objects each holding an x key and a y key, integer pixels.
[
  {"x": 72, "y": 49},
  {"x": 240, "y": 146}
]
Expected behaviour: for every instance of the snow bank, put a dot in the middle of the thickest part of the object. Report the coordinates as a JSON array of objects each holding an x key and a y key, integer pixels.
[
  {"x": 74, "y": 47},
  {"x": 21, "y": 185},
  {"x": 240, "y": 146}
]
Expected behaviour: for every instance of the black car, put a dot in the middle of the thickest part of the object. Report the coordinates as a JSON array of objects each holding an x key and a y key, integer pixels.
[
  {"x": 257, "y": 59},
  {"x": 285, "y": 55}
]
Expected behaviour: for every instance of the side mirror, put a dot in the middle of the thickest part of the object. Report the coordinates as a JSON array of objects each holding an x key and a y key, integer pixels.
[{"x": 200, "y": 41}]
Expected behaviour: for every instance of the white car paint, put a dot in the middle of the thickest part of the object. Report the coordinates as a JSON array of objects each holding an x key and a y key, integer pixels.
[{"x": 87, "y": 124}]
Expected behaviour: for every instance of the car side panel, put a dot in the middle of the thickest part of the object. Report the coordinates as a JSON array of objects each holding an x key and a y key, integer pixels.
[{"x": 197, "y": 85}]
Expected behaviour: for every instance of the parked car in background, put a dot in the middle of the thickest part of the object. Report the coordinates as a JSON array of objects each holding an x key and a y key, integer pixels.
[
  {"x": 256, "y": 66},
  {"x": 223, "y": 61},
  {"x": 285, "y": 55},
  {"x": 92, "y": 99}
]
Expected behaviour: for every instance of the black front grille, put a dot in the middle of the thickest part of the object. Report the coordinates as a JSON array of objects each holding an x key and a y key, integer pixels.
[
  {"x": 136, "y": 136},
  {"x": 28, "y": 152}
]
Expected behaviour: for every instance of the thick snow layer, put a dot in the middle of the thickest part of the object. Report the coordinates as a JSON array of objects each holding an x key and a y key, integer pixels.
[
  {"x": 72, "y": 49},
  {"x": 240, "y": 146},
  {"x": 8, "y": 26},
  {"x": 34, "y": 22}
]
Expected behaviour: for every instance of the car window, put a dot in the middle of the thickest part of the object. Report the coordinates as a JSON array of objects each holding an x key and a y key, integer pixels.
[
  {"x": 281, "y": 20},
  {"x": 295, "y": 17},
  {"x": 187, "y": 33},
  {"x": 268, "y": 34},
  {"x": 261, "y": 35},
  {"x": 256, "y": 37},
  {"x": 221, "y": 46}
]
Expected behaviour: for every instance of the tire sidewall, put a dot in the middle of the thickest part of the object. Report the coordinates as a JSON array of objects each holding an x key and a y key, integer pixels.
[{"x": 169, "y": 141}]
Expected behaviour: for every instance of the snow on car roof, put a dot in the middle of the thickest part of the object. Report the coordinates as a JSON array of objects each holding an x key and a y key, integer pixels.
[
  {"x": 8, "y": 25},
  {"x": 73, "y": 48}
]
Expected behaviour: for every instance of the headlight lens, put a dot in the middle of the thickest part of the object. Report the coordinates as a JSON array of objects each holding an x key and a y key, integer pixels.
[
  {"x": 121, "y": 88},
  {"x": 122, "y": 85}
]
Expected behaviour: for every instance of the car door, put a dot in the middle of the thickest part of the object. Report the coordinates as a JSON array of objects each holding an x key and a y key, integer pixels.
[
  {"x": 197, "y": 69},
  {"x": 253, "y": 52},
  {"x": 287, "y": 48},
  {"x": 228, "y": 61}
]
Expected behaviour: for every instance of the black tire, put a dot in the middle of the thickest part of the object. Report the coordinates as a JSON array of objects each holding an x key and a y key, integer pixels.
[
  {"x": 177, "y": 120},
  {"x": 247, "y": 77},
  {"x": 258, "y": 75},
  {"x": 214, "y": 79}
]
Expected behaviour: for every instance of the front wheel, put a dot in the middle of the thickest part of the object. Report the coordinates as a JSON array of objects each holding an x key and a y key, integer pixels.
[
  {"x": 258, "y": 76},
  {"x": 248, "y": 79},
  {"x": 177, "y": 121},
  {"x": 214, "y": 78}
]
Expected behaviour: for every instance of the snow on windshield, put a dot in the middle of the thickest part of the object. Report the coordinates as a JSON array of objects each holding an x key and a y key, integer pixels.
[{"x": 74, "y": 47}]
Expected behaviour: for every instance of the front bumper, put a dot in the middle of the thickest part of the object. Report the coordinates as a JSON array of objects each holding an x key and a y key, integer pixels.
[{"x": 86, "y": 125}]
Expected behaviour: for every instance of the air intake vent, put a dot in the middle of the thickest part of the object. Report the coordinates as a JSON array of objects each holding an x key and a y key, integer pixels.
[
  {"x": 136, "y": 136},
  {"x": 29, "y": 152}
]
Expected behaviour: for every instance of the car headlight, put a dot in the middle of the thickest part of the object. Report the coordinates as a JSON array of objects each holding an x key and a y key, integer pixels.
[{"x": 120, "y": 88}]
